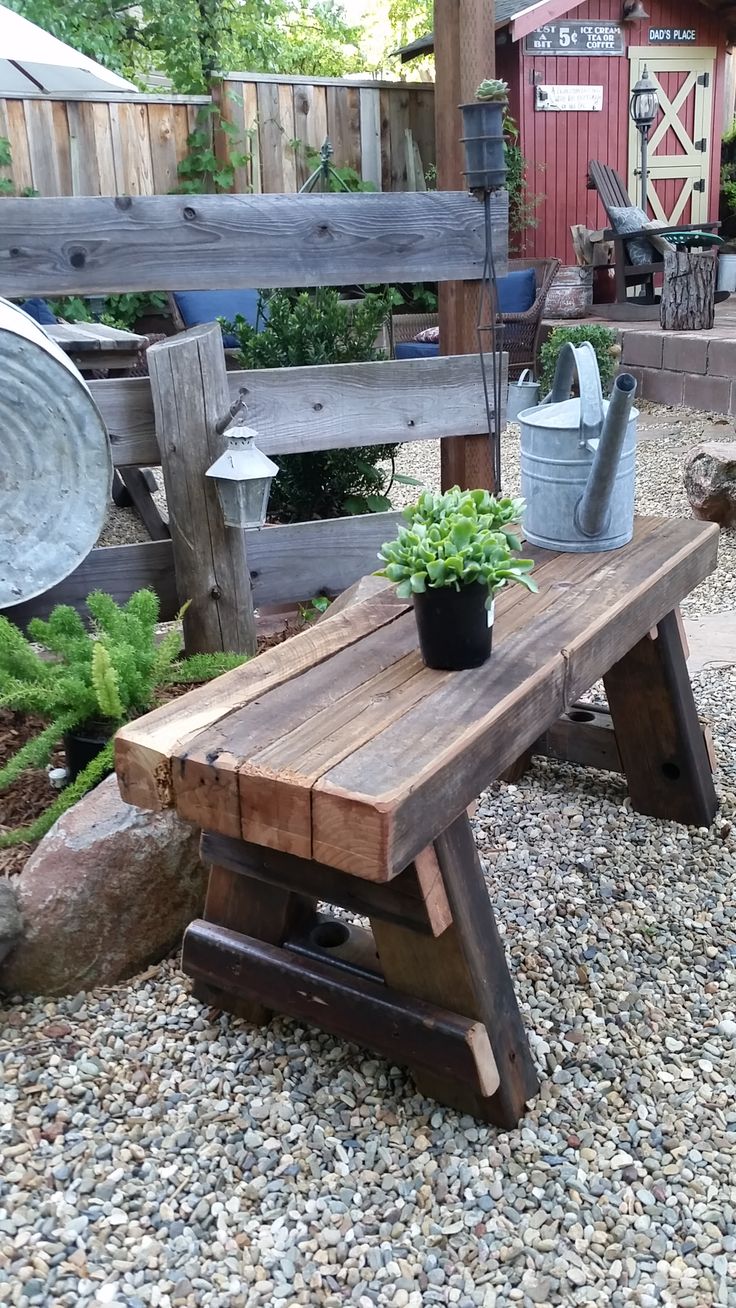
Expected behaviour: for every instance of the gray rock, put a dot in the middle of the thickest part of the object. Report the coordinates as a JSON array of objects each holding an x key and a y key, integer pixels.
[
  {"x": 108, "y": 890},
  {"x": 11, "y": 922},
  {"x": 710, "y": 482}
]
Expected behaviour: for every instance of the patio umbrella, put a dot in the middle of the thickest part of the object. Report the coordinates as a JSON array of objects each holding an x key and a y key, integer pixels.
[{"x": 33, "y": 60}]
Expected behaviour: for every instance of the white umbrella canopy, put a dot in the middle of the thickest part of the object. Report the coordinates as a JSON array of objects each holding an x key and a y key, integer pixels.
[{"x": 31, "y": 60}]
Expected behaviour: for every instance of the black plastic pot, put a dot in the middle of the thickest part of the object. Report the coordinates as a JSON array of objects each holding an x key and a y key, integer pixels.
[
  {"x": 453, "y": 626},
  {"x": 485, "y": 160},
  {"x": 84, "y": 744}
]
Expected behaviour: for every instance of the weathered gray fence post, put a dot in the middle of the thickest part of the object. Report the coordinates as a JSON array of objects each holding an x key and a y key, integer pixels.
[{"x": 190, "y": 396}]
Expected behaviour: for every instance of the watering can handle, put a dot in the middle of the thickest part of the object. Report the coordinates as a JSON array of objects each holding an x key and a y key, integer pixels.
[
  {"x": 580, "y": 359},
  {"x": 521, "y": 379}
]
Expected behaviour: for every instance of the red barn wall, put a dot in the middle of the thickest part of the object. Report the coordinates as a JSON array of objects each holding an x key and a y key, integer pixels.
[{"x": 558, "y": 146}]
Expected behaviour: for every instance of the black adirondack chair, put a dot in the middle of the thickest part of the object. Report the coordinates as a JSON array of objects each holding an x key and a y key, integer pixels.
[{"x": 613, "y": 194}]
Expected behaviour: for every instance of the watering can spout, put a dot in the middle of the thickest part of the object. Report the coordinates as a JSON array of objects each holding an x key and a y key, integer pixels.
[{"x": 593, "y": 508}]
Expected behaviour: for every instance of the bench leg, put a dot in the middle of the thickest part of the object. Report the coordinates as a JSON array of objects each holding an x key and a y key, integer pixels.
[
  {"x": 266, "y": 912},
  {"x": 659, "y": 737},
  {"x": 465, "y": 970}
]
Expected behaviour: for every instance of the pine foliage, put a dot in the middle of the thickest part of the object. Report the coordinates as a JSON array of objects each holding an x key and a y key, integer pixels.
[{"x": 106, "y": 676}]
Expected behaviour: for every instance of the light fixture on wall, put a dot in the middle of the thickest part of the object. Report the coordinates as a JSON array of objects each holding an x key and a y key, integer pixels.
[
  {"x": 633, "y": 12},
  {"x": 643, "y": 109}
]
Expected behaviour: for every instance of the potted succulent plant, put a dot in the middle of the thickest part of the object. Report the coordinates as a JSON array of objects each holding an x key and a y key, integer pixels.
[
  {"x": 85, "y": 684},
  {"x": 451, "y": 559},
  {"x": 485, "y": 160}
]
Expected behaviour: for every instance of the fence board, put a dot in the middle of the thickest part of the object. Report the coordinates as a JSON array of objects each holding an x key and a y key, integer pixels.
[
  {"x": 287, "y": 564},
  {"x": 104, "y": 151},
  {"x": 370, "y": 136},
  {"x": 118, "y": 144},
  {"x": 88, "y": 245},
  {"x": 321, "y": 408}
]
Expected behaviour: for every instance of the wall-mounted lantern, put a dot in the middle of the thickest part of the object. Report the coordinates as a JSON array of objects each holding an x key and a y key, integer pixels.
[{"x": 243, "y": 476}]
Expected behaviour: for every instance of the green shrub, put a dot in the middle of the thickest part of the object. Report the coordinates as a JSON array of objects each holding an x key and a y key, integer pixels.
[
  {"x": 106, "y": 676},
  {"x": 315, "y": 327},
  {"x": 602, "y": 339}
]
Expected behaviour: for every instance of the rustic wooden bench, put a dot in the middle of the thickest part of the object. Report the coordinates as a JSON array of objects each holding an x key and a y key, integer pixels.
[{"x": 337, "y": 768}]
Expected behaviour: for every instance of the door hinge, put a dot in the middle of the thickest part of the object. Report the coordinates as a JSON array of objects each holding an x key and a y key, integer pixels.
[
  {"x": 704, "y": 79},
  {"x": 699, "y": 185},
  {"x": 701, "y": 145}
]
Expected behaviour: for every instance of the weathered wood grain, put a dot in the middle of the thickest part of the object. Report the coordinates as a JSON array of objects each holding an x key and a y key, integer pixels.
[
  {"x": 86, "y": 245},
  {"x": 299, "y": 409},
  {"x": 190, "y": 396},
  {"x": 144, "y": 748},
  {"x": 412, "y": 900},
  {"x": 370, "y": 136},
  {"x": 351, "y": 1007}
]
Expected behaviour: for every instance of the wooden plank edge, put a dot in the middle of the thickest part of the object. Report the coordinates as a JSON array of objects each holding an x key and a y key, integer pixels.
[{"x": 351, "y": 1007}]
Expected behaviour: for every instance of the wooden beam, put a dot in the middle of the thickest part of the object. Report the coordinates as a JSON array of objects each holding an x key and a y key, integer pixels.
[
  {"x": 349, "y": 1006},
  {"x": 412, "y": 899},
  {"x": 95, "y": 244},
  {"x": 465, "y": 53},
  {"x": 296, "y": 410},
  {"x": 535, "y": 16},
  {"x": 190, "y": 398}
]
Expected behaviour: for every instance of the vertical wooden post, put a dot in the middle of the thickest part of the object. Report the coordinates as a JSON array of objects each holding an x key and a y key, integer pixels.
[
  {"x": 190, "y": 396},
  {"x": 465, "y": 54}
]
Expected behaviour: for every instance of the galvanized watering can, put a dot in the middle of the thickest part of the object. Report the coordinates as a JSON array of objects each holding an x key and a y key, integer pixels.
[
  {"x": 522, "y": 395},
  {"x": 578, "y": 459}
]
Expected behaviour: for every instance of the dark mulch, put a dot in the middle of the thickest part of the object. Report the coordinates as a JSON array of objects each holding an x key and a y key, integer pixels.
[{"x": 27, "y": 798}]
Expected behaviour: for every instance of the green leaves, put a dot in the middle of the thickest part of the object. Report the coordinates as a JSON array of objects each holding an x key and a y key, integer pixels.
[
  {"x": 603, "y": 340},
  {"x": 456, "y": 539}
]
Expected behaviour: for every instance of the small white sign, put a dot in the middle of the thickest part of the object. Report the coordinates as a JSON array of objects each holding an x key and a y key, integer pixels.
[{"x": 567, "y": 99}]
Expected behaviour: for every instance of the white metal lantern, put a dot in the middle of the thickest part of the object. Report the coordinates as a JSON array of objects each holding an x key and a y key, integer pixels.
[{"x": 243, "y": 476}]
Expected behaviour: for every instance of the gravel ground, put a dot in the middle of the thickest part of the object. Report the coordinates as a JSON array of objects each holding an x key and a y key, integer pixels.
[{"x": 155, "y": 1153}]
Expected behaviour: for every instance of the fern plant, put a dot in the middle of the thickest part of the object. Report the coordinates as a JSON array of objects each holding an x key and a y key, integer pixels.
[{"x": 105, "y": 676}]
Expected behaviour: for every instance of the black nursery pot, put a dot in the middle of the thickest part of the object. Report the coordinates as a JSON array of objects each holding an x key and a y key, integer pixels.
[
  {"x": 83, "y": 745},
  {"x": 453, "y": 626}
]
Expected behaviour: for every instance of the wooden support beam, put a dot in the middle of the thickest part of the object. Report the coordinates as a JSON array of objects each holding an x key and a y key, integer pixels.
[
  {"x": 190, "y": 397},
  {"x": 660, "y": 738},
  {"x": 137, "y": 485},
  {"x": 465, "y": 54},
  {"x": 412, "y": 900},
  {"x": 349, "y": 1006}
]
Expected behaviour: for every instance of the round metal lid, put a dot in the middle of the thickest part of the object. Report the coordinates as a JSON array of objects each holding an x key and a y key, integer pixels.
[{"x": 55, "y": 462}]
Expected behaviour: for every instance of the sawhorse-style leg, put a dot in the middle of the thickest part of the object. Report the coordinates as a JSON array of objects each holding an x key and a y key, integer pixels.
[
  {"x": 659, "y": 737},
  {"x": 428, "y": 987}
]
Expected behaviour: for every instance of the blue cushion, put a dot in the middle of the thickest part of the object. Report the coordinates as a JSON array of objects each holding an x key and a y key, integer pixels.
[
  {"x": 196, "y": 307},
  {"x": 416, "y": 350},
  {"x": 517, "y": 291},
  {"x": 39, "y": 310}
]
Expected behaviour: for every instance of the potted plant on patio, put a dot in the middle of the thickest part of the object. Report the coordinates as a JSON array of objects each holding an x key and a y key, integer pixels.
[
  {"x": 451, "y": 559},
  {"x": 85, "y": 684},
  {"x": 483, "y": 119}
]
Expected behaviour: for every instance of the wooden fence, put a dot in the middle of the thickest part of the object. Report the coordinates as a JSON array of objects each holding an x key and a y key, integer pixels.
[
  {"x": 85, "y": 245},
  {"x": 132, "y": 145}
]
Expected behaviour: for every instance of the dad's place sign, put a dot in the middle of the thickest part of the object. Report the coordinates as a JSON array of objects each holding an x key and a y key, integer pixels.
[{"x": 673, "y": 36}]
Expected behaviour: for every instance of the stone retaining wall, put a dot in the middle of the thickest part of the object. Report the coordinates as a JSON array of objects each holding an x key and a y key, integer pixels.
[{"x": 684, "y": 368}]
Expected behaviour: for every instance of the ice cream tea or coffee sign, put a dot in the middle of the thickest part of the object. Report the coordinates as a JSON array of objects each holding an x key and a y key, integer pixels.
[
  {"x": 576, "y": 38},
  {"x": 568, "y": 99}
]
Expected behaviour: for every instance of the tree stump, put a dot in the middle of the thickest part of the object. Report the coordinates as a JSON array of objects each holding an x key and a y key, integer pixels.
[{"x": 688, "y": 292}]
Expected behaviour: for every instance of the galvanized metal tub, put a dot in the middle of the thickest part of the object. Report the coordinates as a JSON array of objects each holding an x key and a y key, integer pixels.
[
  {"x": 571, "y": 293},
  {"x": 55, "y": 462},
  {"x": 523, "y": 394}
]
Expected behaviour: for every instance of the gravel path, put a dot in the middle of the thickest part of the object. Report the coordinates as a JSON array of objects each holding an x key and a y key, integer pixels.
[{"x": 155, "y": 1153}]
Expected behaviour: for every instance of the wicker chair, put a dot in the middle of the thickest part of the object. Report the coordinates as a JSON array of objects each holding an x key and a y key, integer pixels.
[{"x": 522, "y": 331}]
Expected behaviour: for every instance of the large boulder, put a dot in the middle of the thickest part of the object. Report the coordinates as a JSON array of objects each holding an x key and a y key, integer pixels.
[
  {"x": 108, "y": 890},
  {"x": 710, "y": 482}
]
